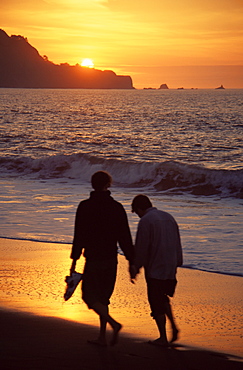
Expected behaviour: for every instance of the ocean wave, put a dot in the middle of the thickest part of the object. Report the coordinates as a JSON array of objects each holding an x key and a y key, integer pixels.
[{"x": 171, "y": 176}]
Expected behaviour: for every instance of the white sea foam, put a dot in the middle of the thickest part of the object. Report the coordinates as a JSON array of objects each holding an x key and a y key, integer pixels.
[
  {"x": 45, "y": 210},
  {"x": 181, "y": 148},
  {"x": 165, "y": 176}
]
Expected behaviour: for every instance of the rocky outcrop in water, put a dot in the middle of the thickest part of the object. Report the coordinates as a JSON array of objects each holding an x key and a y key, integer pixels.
[{"x": 163, "y": 87}]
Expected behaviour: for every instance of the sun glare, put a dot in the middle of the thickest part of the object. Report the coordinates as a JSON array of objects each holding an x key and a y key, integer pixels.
[{"x": 87, "y": 63}]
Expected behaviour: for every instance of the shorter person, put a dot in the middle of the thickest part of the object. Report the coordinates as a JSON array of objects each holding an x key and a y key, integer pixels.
[{"x": 157, "y": 249}]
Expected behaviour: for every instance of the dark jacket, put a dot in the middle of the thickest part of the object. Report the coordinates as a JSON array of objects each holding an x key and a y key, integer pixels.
[{"x": 101, "y": 223}]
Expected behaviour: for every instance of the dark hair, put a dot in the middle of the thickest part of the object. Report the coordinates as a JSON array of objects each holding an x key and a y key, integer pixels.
[
  {"x": 141, "y": 201},
  {"x": 100, "y": 179}
]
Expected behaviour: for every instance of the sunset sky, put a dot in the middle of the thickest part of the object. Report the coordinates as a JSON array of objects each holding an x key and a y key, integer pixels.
[{"x": 179, "y": 42}]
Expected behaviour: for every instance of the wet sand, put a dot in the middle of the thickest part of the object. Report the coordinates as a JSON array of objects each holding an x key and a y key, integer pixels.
[
  {"x": 40, "y": 331},
  {"x": 35, "y": 342}
]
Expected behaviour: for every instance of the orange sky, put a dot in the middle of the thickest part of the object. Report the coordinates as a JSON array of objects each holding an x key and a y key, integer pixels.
[{"x": 180, "y": 42}]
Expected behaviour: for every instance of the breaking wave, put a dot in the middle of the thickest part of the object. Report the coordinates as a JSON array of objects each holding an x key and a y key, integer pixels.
[{"x": 170, "y": 176}]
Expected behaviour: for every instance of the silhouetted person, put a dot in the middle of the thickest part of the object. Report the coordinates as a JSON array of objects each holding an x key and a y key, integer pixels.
[
  {"x": 158, "y": 250},
  {"x": 101, "y": 223}
]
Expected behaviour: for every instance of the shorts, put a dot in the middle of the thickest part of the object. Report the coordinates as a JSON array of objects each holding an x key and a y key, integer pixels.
[
  {"x": 158, "y": 292},
  {"x": 99, "y": 281}
]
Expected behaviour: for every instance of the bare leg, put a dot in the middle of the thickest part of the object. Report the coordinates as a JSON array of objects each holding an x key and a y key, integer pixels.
[
  {"x": 101, "y": 340},
  {"x": 162, "y": 340},
  {"x": 170, "y": 316},
  {"x": 102, "y": 336},
  {"x": 103, "y": 312}
]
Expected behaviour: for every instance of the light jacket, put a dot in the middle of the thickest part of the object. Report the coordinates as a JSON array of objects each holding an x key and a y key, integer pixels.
[{"x": 158, "y": 245}]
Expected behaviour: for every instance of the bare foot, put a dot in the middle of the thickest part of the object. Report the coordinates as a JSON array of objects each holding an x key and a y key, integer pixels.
[
  {"x": 174, "y": 335},
  {"x": 116, "y": 330},
  {"x": 98, "y": 342},
  {"x": 159, "y": 342}
]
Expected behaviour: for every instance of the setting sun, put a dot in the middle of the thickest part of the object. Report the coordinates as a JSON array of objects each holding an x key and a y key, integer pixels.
[
  {"x": 181, "y": 43},
  {"x": 87, "y": 63}
]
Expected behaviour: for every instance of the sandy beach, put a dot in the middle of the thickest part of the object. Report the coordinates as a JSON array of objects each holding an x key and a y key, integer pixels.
[{"x": 40, "y": 331}]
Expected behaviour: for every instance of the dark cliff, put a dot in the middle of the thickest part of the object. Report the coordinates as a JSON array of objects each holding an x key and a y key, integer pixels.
[{"x": 22, "y": 66}]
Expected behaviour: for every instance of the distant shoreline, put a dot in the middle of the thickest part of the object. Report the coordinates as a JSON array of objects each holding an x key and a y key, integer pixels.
[{"x": 22, "y": 66}]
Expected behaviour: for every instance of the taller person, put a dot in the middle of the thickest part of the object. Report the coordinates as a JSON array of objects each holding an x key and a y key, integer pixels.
[
  {"x": 157, "y": 249},
  {"x": 101, "y": 223}
]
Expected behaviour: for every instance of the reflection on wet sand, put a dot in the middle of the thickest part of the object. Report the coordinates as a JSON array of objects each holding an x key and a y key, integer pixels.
[{"x": 208, "y": 307}]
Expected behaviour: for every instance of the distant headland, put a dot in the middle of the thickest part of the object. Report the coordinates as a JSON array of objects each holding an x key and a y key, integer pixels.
[{"x": 21, "y": 66}]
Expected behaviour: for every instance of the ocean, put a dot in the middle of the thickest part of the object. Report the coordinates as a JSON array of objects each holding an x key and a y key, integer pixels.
[{"x": 182, "y": 148}]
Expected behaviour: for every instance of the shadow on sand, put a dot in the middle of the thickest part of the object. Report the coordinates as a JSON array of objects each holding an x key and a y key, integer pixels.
[{"x": 34, "y": 342}]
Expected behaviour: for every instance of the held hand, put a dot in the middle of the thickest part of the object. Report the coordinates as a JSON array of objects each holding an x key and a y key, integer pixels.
[{"x": 133, "y": 273}]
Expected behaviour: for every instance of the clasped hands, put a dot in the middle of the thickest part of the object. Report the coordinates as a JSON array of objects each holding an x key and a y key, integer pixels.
[{"x": 133, "y": 273}]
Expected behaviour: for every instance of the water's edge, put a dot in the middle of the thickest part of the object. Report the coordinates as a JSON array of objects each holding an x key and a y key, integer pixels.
[{"x": 120, "y": 252}]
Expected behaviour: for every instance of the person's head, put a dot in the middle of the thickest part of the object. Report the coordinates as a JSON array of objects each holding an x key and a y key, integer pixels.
[
  {"x": 140, "y": 204},
  {"x": 101, "y": 180}
]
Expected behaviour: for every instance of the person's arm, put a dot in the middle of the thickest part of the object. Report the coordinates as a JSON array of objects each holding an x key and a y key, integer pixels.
[
  {"x": 77, "y": 239},
  {"x": 73, "y": 266},
  {"x": 125, "y": 238},
  {"x": 142, "y": 244},
  {"x": 179, "y": 250}
]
